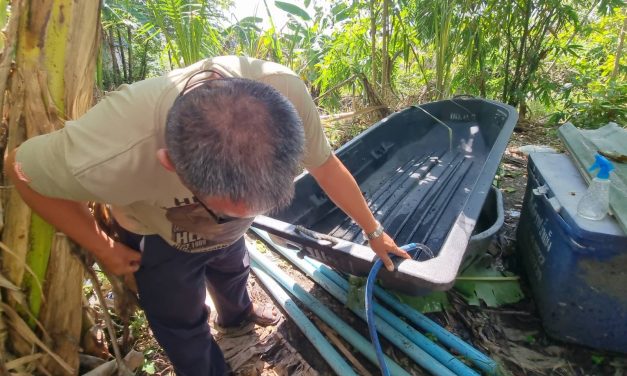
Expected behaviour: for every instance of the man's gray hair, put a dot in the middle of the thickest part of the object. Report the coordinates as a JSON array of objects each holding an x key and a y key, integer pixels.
[{"x": 236, "y": 138}]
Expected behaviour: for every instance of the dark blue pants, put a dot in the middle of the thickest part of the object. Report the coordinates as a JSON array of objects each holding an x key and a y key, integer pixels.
[{"x": 171, "y": 286}]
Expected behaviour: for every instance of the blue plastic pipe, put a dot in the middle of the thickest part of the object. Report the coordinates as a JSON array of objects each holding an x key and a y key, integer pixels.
[
  {"x": 328, "y": 352},
  {"x": 397, "y": 337},
  {"x": 355, "y": 339},
  {"x": 449, "y": 339},
  {"x": 370, "y": 308},
  {"x": 481, "y": 360},
  {"x": 443, "y": 356}
]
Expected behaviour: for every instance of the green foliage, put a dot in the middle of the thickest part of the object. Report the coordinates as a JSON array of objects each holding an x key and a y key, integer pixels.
[
  {"x": 589, "y": 96},
  {"x": 189, "y": 28},
  {"x": 356, "y": 292},
  {"x": 348, "y": 56},
  {"x": 597, "y": 359},
  {"x": 128, "y": 47},
  {"x": 436, "y": 301},
  {"x": 148, "y": 365},
  {"x": 563, "y": 55},
  {"x": 440, "y": 30},
  {"x": 481, "y": 282},
  {"x": 601, "y": 103},
  {"x": 244, "y": 38},
  {"x": 293, "y": 10}
]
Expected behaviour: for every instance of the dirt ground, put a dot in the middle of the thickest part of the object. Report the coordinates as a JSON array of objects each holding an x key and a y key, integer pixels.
[{"x": 512, "y": 335}]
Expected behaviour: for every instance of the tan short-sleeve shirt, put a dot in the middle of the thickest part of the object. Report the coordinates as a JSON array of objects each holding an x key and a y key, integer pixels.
[{"x": 109, "y": 154}]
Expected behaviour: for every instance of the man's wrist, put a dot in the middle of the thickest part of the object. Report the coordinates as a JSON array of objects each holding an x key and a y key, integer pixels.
[
  {"x": 369, "y": 224},
  {"x": 102, "y": 246},
  {"x": 378, "y": 231}
]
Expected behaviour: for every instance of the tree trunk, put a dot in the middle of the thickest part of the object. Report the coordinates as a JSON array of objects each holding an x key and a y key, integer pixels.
[
  {"x": 373, "y": 98},
  {"x": 144, "y": 63},
  {"x": 117, "y": 76},
  {"x": 130, "y": 54},
  {"x": 52, "y": 81},
  {"x": 514, "y": 96},
  {"x": 373, "y": 41},
  {"x": 121, "y": 49},
  {"x": 508, "y": 55},
  {"x": 619, "y": 48},
  {"x": 386, "y": 88}
]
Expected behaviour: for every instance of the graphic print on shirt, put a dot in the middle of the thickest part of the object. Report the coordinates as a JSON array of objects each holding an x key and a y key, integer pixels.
[{"x": 188, "y": 241}]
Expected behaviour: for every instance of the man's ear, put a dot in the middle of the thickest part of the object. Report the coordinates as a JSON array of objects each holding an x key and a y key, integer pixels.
[{"x": 164, "y": 158}]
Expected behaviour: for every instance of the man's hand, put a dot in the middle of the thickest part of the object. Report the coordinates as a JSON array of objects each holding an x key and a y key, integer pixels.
[
  {"x": 75, "y": 220},
  {"x": 383, "y": 245},
  {"x": 119, "y": 259}
]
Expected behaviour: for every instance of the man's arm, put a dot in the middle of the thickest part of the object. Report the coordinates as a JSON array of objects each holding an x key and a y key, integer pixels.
[
  {"x": 74, "y": 219},
  {"x": 340, "y": 186}
]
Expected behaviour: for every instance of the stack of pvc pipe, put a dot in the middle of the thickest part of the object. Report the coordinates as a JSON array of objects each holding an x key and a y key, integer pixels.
[
  {"x": 260, "y": 263},
  {"x": 432, "y": 357}
]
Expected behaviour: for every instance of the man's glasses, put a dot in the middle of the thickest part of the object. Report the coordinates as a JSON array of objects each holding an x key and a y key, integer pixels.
[
  {"x": 190, "y": 84},
  {"x": 218, "y": 218}
]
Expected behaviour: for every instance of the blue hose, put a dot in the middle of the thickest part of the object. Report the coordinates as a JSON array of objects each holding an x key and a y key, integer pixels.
[{"x": 412, "y": 248}]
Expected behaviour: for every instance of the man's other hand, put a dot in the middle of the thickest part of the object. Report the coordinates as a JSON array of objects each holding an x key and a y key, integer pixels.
[
  {"x": 119, "y": 259},
  {"x": 383, "y": 246}
]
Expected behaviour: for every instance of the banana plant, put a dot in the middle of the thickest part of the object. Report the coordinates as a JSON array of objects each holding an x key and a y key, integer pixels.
[
  {"x": 244, "y": 37},
  {"x": 43, "y": 303}
]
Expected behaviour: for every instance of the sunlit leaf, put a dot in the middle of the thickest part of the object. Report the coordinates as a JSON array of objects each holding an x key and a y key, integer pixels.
[
  {"x": 251, "y": 20},
  {"x": 293, "y": 10},
  {"x": 340, "y": 12}
]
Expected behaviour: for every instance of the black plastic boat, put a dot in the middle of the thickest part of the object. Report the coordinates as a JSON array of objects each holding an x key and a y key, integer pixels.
[{"x": 426, "y": 172}]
